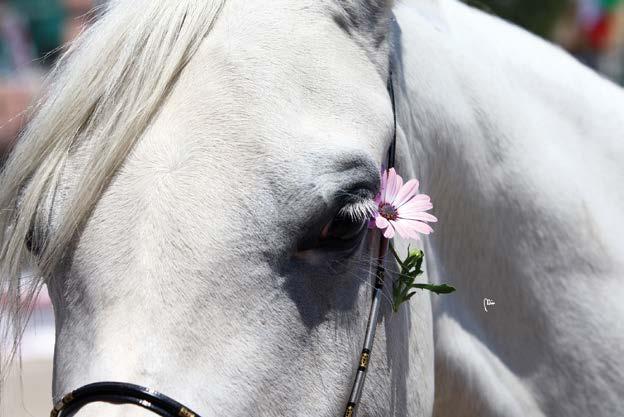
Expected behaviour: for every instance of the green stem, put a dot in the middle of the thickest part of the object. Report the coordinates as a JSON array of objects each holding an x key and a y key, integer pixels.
[{"x": 395, "y": 254}]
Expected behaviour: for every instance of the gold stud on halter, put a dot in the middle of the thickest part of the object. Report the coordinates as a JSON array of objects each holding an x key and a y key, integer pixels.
[
  {"x": 364, "y": 359},
  {"x": 61, "y": 404},
  {"x": 185, "y": 412}
]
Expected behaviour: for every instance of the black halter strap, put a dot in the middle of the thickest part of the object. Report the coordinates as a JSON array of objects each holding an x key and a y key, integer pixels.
[
  {"x": 375, "y": 310},
  {"x": 123, "y": 393}
]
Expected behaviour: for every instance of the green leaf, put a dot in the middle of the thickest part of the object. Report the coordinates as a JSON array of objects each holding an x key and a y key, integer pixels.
[
  {"x": 438, "y": 289},
  {"x": 404, "y": 284}
]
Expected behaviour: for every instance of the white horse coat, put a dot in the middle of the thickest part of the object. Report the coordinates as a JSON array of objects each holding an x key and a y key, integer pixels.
[
  {"x": 522, "y": 149},
  {"x": 214, "y": 139}
]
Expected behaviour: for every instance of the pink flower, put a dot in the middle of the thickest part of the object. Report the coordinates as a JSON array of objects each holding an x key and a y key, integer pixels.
[{"x": 400, "y": 209}]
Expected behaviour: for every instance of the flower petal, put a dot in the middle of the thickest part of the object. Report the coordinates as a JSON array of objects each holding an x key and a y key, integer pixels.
[
  {"x": 389, "y": 232},
  {"x": 381, "y": 222},
  {"x": 420, "y": 227},
  {"x": 416, "y": 204},
  {"x": 384, "y": 185},
  {"x": 421, "y": 198},
  {"x": 395, "y": 182},
  {"x": 421, "y": 215},
  {"x": 406, "y": 193},
  {"x": 404, "y": 229}
]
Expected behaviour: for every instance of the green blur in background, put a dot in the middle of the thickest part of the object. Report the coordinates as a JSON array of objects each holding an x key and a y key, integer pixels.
[
  {"x": 538, "y": 16},
  {"x": 44, "y": 20}
]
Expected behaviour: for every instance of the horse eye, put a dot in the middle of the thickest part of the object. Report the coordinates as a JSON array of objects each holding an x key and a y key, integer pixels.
[
  {"x": 343, "y": 233},
  {"x": 343, "y": 227}
]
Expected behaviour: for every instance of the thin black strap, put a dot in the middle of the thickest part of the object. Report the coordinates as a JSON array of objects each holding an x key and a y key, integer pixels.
[
  {"x": 121, "y": 393},
  {"x": 375, "y": 310},
  {"x": 392, "y": 149}
]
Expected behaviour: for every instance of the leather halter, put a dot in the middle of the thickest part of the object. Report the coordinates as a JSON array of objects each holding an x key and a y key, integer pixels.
[
  {"x": 375, "y": 310},
  {"x": 124, "y": 393},
  {"x": 120, "y": 393}
]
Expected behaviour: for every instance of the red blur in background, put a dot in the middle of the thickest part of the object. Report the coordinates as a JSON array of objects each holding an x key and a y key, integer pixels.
[{"x": 31, "y": 34}]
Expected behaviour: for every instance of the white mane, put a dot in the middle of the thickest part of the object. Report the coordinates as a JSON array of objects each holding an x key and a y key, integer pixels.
[{"x": 106, "y": 89}]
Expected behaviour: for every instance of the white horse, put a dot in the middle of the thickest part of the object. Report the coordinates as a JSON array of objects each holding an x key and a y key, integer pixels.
[{"x": 175, "y": 180}]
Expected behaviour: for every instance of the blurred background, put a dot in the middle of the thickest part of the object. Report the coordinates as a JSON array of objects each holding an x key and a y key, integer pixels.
[
  {"x": 592, "y": 30},
  {"x": 32, "y": 33}
]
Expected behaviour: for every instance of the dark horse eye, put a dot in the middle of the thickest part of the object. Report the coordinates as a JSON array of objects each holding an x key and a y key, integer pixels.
[{"x": 343, "y": 227}]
